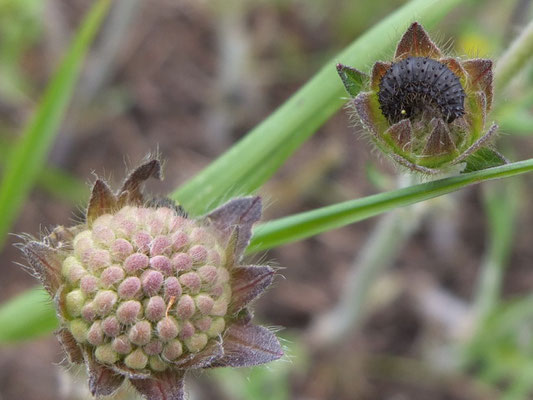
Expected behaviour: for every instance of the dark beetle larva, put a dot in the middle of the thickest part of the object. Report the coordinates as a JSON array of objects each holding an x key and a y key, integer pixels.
[{"x": 419, "y": 86}]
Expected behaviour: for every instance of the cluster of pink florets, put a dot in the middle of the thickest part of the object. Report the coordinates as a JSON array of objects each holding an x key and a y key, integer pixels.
[{"x": 146, "y": 286}]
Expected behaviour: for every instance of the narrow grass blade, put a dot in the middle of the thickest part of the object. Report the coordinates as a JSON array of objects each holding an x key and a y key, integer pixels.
[
  {"x": 306, "y": 224},
  {"x": 253, "y": 160},
  {"x": 28, "y": 155},
  {"x": 300, "y": 226},
  {"x": 26, "y": 316}
]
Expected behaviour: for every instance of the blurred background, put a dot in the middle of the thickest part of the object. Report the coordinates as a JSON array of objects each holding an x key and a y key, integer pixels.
[{"x": 189, "y": 78}]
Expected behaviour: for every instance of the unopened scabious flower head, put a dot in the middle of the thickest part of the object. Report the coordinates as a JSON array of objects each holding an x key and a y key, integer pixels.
[
  {"x": 425, "y": 110},
  {"x": 143, "y": 292}
]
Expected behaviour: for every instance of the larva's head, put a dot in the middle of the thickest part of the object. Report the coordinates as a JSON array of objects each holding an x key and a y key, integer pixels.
[
  {"x": 147, "y": 293},
  {"x": 425, "y": 110}
]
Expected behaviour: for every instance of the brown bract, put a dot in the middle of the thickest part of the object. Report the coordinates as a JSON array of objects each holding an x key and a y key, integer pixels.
[
  {"x": 240, "y": 344},
  {"x": 426, "y": 140}
]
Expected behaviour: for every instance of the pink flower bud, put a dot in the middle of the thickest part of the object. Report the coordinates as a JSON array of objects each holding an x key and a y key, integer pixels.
[
  {"x": 129, "y": 311},
  {"x": 111, "y": 326},
  {"x": 185, "y": 308},
  {"x": 95, "y": 336},
  {"x": 98, "y": 259},
  {"x": 142, "y": 241},
  {"x": 89, "y": 284},
  {"x": 88, "y": 312},
  {"x": 204, "y": 303},
  {"x": 182, "y": 262},
  {"x": 200, "y": 235},
  {"x": 172, "y": 288},
  {"x": 152, "y": 282},
  {"x": 129, "y": 288},
  {"x": 191, "y": 280},
  {"x": 162, "y": 264},
  {"x": 167, "y": 329},
  {"x": 121, "y": 249},
  {"x": 160, "y": 245},
  {"x": 104, "y": 301},
  {"x": 103, "y": 234},
  {"x": 73, "y": 270},
  {"x": 140, "y": 333},
  {"x": 187, "y": 330},
  {"x": 111, "y": 276},
  {"x": 208, "y": 274},
  {"x": 136, "y": 262},
  {"x": 203, "y": 323},
  {"x": 121, "y": 344},
  {"x": 179, "y": 240},
  {"x": 155, "y": 308},
  {"x": 172, "y": 350},
  {"x": 198, "y": 254},
  {"x": 153, "y": 348}
]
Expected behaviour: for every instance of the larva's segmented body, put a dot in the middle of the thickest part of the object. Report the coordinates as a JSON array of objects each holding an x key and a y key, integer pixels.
[{"x": 417, "y": 85}]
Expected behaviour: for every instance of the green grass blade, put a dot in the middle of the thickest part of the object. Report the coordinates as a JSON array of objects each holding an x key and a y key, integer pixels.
[
  {"x": 26, "y": 316},
  {"x": 300, "y": 226},
  {"x": 57, "y": 182},
  {"x": 28, "y": 155},
  {"x": 306, "y": 224},
  {"x": 63, "y": 185},
  {"x": 254, "y": 159}
]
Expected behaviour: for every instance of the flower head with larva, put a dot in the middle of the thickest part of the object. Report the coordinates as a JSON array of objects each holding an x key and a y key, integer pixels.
[
  {"x": 425, "y": 110},
  {"x": 144, "y": 293}
]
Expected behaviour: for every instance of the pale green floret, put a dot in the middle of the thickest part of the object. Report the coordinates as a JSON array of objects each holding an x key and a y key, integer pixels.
[
  {"x": 136, "y": 360},
  {"x": 220, "y": 307},
  {"x": 82, "y": 241},
  {"x": 106, "y": 354},
  {"x": 223, "y": 275},
  {"x": 75, "y": 301},
  {"x": 202, "y": 299},
  {"x": 79, "y": 329},
  {"x": 196, "y": 342},
  {"x": 157, "y": 364},
  {"x": 217, "y": 327},
  {"x": 226, "y": 294},
  {"x": 87, "y": 234},
  {"x": 172, "y": 350},
  {"x": 72, "y": 269}
]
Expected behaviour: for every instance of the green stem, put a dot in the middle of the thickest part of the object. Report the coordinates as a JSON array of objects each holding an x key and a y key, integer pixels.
[
  {"x": 28, "y": 155},
  {"x": 310, "y": 223},
  {"x": 254, "y": 159},
  {"x": 514, "y": 58}
]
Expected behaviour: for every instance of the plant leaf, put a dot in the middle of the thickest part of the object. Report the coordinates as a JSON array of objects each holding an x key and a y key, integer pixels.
[
  {"x": 482, "y": 159},
  {"x": 269, "y": 235},
  {"x": 352, "y": 78},
  {"x": 310, "y": 223},
  {"x": 253, "y": 160},
  {"x": 28, "y": 315},
  {"x": 28, "y": 155}
]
